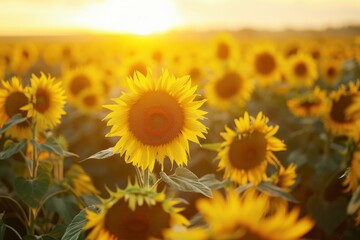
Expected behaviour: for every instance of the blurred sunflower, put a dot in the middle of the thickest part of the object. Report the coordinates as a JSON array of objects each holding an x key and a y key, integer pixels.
[
  {"x": 337, "y": 119},
  {"x": 79, "y": 79},
  {"x": 89, "y": 101},
  {"x": 351, "y": 180},
  {"x": 330, "y": 71},
  {"x": 80, "y": 182},
  {"x": 47, "y": 102},
  {"x": 248, "y": 149},
  {"x": 285, "y": 178},
  {"x": 357, "y": 49},
  {"x": 313, "y": 104},
  {"x": 245, "y": 217},
  {"x": 301, "y": 70},
  {"x": 24, "y": 56},
  {"x": 265, "y": 64},
  {"x": 228, "y": 88},
  {"x": 156, "y": 119},
  {"x": 195, "y": 233},
  {"x": 224, "y": 47},
  {"x": 13, "y": 97},
  {"x": 134, "y": 213}
]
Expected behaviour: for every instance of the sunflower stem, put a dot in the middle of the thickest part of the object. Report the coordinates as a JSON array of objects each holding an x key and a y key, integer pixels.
[
  {"x": 146, "y": 178},
  {"x": 34, "y": 150}
]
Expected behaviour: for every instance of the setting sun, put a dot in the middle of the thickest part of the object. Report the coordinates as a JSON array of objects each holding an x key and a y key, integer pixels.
[{"x": 138, "y": 17}]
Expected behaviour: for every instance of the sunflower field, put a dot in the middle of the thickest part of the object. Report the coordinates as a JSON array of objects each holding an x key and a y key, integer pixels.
[{"x": 210, "y": 136}]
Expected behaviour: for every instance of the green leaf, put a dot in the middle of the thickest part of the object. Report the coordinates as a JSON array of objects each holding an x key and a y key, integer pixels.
[
  {"x": 327, "y": 215},
  {"x": 16, "y": 119},
  {"x": 243, "y": 188},
  {"x": 185, "y": 180},
  {"x": 275, "y": 191},
  {"x": 31, "y": 191},
  {"x": 51, "y": 145},
  {"x": 76, "y": 226},
  {"x": 211, "y": 181},
  {"x": 212, "y": 146},
  {"x": 14, "y": 148},
  {"x": 106, "y": 153},
  {"x": 56, "y": 233},
  {"x": 354, "y": 203},
  {"x": 65, "y": 206}
]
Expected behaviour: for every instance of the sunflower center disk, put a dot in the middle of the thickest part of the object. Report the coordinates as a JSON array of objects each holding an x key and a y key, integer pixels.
[
  {"x": 223, "y": 51},
  {"x": 228, "y": 85},
  {"x": 79, "y": 83},
  {"x": 300, "y": 69},
  {"x": 331, "y": 72},
  {"x": 156, "y": 118},
  {"x": 90, "y": 100},
  {"x": 13, "y": 103},
  {"x": 338, "y": 110},
  {"x": 248, "y": 152},
  {"x": 42, "y": 101},
  {"x": 265, "y": 63}
]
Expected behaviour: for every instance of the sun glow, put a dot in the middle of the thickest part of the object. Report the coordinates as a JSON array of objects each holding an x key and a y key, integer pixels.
[{"x": 130, "y": 16}]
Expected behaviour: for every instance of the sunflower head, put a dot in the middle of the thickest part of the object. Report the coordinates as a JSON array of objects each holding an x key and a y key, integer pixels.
[
  {"x": 13, "y": 97},
  {"x": 313, "y": 104},
  {"x": 301, "y": 70},
  {"x": 266, "y": 64},
  {"x": 351, "y": 181},
  {"x": 155, "y": 119},
  {"x": 228, "y": 88},
  {"x": 245, "y": 217},
  {"x": 337, "y": 119},
  {"x": 248, "y": 149},
  {"x": 330, "y": 71},
  {"x": 80, "y": 181},
  {"x": 224, "y": 47},
  {"x": 47, "y": 101},
  {"x": 134, "y": 213},
  {"x": 80, "y": 79},
  {"x": 285, "y": 178}
]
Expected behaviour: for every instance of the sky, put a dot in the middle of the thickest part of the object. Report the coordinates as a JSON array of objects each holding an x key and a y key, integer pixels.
[{"x": 19, "y": 17}]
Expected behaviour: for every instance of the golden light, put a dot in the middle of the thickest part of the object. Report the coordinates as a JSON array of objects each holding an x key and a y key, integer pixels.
[{"x": 130, "y": 16}]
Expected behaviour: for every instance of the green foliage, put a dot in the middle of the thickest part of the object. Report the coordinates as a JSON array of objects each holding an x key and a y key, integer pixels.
[
  {"x": 75, "y": 228},
  {"x": 51, "y": 145},
  {"x": 275, "y": 191},
  {"x": 328, "y": 215},
  {"x": 185, "y": 180},
  {"x": 14, "y": 120},
  {"x": 32, "y": 191},
  {"x": 12, "y": 149},
  {"x": 106, "y": 153}
]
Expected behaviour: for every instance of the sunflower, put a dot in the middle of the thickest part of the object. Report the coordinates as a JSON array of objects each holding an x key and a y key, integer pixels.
[
  {"x": 156, "y": 119},
  {"x": 13, "y": 97},
  {"x": 351, "y": 181},
  {"x": 228, "y": 88},
  {"x": 195, "y": 233},
  {"x": 79, "y": 79},
  {"x": 248, "y": 149},
  {"x": 313, "y": 104},
  {"x": 89, "y": 101},
  {"x": 285, "y": 178},
  {"x": 330, "y": 71},
  {"x": 24, "y": 56},
  {"x": 337, "y": 120},
  {"x": 134, "y": 213},
  {"x": 79, "y": 181},
  {"x": 224, "y": 47},
  {"x": 301, "y": 70},
  {"x": 47, "y": 102},
  {"x": 245, "y": 217},
  {"x": 266, "y": 64}
]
